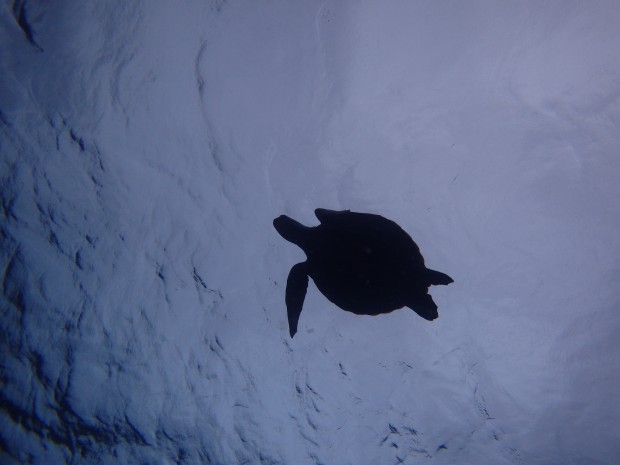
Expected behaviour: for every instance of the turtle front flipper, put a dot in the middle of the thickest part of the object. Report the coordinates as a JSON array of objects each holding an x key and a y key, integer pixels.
[
  {"x": 324, "y": 215},
  {"x": 296, "y": 287}
]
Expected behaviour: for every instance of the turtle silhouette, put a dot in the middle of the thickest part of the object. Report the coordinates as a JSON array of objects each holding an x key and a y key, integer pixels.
[{"x": 363, "y": 263}]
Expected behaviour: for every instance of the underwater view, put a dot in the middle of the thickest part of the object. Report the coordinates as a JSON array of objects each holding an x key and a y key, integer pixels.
[{"x": 309, "y": 232}]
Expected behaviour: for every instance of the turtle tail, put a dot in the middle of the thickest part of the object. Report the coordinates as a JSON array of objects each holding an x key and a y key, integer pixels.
[{"x": 292, "y": 230}]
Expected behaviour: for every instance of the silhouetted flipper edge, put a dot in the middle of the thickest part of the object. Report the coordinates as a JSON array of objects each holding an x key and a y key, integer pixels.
[
  {"x": 296, "y": 287},
  {"x": 437, "y": 277},
  {"x": 323, "y": 214},
  {"x": 424, "y": 306}
]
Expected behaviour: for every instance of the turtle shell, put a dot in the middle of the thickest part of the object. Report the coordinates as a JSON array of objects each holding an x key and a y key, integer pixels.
[{"x": 363, "y": 262}]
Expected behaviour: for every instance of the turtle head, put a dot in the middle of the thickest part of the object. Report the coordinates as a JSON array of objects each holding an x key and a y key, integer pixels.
[{"x": 424, "y": 306}]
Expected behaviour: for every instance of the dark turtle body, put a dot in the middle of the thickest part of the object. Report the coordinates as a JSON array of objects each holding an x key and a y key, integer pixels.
[{"x": 363, "y": 263}]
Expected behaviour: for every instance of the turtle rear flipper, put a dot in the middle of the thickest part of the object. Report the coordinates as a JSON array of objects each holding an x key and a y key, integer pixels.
[
  {"x": 425, "y": 306},
  {"x": 296, "y": 287},
  {"x": 437, "y": 277}
]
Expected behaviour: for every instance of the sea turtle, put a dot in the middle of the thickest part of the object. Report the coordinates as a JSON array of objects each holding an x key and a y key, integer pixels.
[{"x": 363, "y": 263}]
